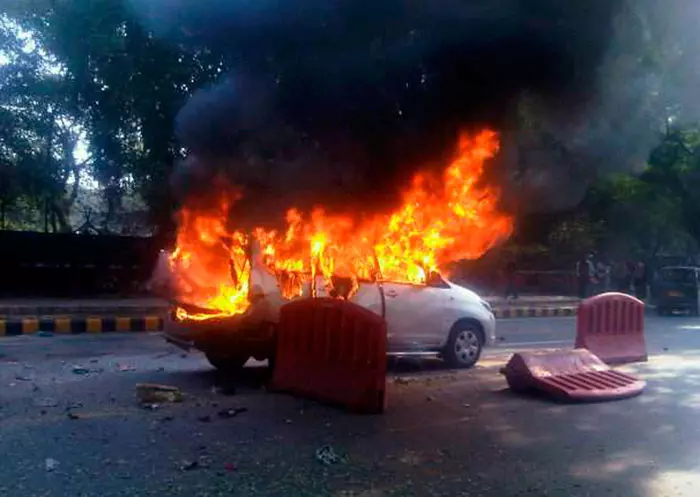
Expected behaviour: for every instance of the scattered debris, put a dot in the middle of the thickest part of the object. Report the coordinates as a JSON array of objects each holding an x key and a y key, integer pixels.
[
  {"x": 72, "y": 415},
  {"x": 50, "y": 464},
  {"x": 94, "y": 361},
  {"x": 80, "y": 370},
  {"x": 189, "y": 465},
  {"x": 204, "y": 419},
  {"x": 168, "y": 418},
  {"x": 229, "y": 466},
  {"x": 401, "y": 381},
  {"x": 46, "y": 334},
  {"x": 125, "y": 367},
  {"x": 466, "y": 405},
  {"x": 288, "y": 421},
  {"x": 46, "y": 402},
  {"x": 23, "y": 378},
  {"x": 326, "y": 455},
  {"x": 151, "y": 393},
  {"x": 429, "y": 398},
  {"x": 224, "y": 390},
  {"x": 151, "y": 407},
  {"x": 230, "y": 413}
]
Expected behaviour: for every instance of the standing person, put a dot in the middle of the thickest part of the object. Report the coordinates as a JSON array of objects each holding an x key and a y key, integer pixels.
[
  {"x": 511, "y": 290},
  {"x": 621, "y": 276},
  {"x": 640, "y": 281},
  {"x": 601, "y": 276},
  {"x": 584, "y": 274}
]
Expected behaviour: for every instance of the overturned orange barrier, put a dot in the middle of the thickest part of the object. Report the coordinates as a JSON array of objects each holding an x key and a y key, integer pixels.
[
  {"x": 573, "y": 375},
  {"x": 611, "y": 326},
  {"x": 333, "y": 351}
]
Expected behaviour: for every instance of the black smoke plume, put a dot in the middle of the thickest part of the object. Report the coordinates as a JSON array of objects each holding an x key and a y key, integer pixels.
[{"x": 341, "y": 101}]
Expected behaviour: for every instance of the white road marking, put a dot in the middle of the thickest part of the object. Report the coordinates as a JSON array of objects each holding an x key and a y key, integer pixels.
[
  {"x": 503, "y": 321},
  {"x": 507, "y": 345}
]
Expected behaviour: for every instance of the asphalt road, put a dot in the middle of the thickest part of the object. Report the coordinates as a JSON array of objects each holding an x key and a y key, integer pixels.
[{"x": 70, "y": 425}]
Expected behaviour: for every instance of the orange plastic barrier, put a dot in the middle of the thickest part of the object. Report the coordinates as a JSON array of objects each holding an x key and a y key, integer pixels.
[
  {"x": 611, "y": 326},
  {"x": 333, "y": 351},
  {"x": 574, "y": 375}
]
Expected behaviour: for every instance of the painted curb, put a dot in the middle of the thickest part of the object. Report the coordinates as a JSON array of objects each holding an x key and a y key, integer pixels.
[
  {"x": 78, "y": 325},
  {"x": 534, "y": 312}
]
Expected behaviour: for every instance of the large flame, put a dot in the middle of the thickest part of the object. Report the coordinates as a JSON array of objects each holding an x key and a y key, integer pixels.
[{"x": 440, "y": 220}]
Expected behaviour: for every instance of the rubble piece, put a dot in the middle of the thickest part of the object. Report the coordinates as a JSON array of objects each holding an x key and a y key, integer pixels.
[
  {"x": 230, "y": 413},
  {"x": 326, "y": 455},
  {"x": 50, "y": 464},
  {"x": 152, "y": 393}
]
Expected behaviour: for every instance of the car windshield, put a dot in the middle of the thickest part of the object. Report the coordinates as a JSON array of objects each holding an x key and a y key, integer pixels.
[{"x": 678, "y": 275}]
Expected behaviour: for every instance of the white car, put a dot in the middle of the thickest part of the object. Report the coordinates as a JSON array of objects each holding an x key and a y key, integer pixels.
[{"x": 440, "y": 318}]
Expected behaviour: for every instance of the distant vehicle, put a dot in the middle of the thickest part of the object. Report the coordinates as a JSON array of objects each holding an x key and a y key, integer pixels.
[
  {"x": 439, "y": 318},
  {"x": 678, "y": 289}
]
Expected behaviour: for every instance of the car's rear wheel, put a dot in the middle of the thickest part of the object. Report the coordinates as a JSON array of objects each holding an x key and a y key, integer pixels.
[
  {"x": 230, "y": 364},
  {"x": 464, "y": 345}
]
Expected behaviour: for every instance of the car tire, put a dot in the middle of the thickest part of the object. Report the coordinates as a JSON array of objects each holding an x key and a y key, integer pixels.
[
  {"x": 464, "y": 345},
  {"x": 229, "y": 365}
]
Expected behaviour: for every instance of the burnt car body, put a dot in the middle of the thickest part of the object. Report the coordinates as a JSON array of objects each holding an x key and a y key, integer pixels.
[
  {"x": 678, "y": 288},
  {"x": 439, "y": 318}
]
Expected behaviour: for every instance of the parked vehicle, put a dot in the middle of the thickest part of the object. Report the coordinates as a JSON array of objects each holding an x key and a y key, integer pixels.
[
  {"x": 439, "y": 318},
  {"x": 678, "y": 288}
]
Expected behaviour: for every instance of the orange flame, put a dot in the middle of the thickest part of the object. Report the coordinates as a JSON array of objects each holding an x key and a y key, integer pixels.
[{"x": 439, "y": 220}]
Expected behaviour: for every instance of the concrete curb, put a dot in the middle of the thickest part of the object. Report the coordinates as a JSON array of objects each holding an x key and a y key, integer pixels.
[
  {"x": 77, "y": 325},
  {"x": 534, "y": 312},
  {"x": 22, "y": 312}
]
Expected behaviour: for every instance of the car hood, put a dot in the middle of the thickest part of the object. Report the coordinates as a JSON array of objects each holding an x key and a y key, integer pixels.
[{"x": 464, "y": 293}]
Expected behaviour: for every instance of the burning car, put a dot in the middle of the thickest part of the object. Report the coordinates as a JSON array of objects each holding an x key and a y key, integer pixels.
[
  {"x": 229, "y": 284},
  {"x": 437, "y": 318}
]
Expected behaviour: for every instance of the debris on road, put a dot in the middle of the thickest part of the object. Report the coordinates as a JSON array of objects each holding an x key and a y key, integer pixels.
[
  {"x": 72, "y": 415},
  {"x": 229, "y": 466},
  {"x": 46, "y": 402},
  {"x": 50, "y": 464},
  {"x": 122, "y": 368},
  {"x": 326, "y": 455},
  {"x": 230, "y": 413},
  {"x": 204, "y": 419},
  {"x": 224, "y": 390},
  {"x": 188, "y": 465},
  {"x": 46, "y": 334},
  {"x": 152, "y": 393},
  {"x": 80, "y": 370},
  {"x": 151, "y": 407},
  {"x": 23, "y": 378}
]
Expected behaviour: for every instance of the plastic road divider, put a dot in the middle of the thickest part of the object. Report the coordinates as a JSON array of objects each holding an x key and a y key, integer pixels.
[
  {"x": 333, "y": 351},
  {"x": 572, "y": 375},
  {"x": 611, "y": 325}
]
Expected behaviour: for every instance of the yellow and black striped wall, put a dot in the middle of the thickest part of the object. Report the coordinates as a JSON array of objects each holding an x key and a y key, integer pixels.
[
  {"x": 71, "y": 325},
  {"x": 534, "y": 312}
]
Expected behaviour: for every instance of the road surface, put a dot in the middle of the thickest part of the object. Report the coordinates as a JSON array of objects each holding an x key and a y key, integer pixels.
[{"x": 70, "y": 426}]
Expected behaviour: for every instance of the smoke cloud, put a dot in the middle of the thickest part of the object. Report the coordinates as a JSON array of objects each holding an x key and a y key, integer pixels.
[{"x": 341, "y": 101}]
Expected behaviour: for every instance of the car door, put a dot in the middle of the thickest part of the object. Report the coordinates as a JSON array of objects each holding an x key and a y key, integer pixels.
[{"x": 412, "y": 315}]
